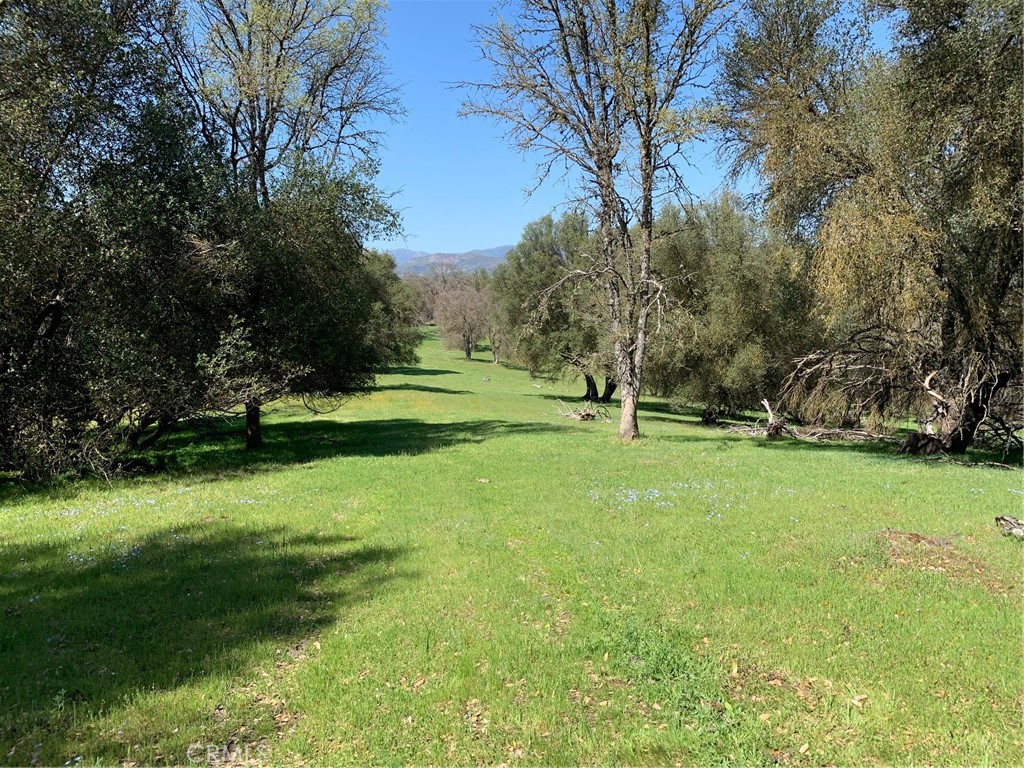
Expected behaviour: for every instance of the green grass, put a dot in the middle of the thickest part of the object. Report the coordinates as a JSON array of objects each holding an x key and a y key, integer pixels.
[{"x": 450, "y": 572}]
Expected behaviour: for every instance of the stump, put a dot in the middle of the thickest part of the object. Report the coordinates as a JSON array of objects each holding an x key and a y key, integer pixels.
[
  {"x": 1011, "y": 526},
  {"x": 776, "y": 426}
]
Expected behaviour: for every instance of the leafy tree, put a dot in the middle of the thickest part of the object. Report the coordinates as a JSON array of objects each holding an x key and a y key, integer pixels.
[
  {"x": 286, "y": 89},
  {"x": 738, "y": 312},
  {"x": 325, "y": 315},
  {"x": 105, "y": 297},
  {"x": 557, "y": 325},
  {"x": 159, "y": 302},
  {"x": 910, "y": 197},
  {"x": 423, "y": 291},
  {"x": 463, "y": 309},
  {"x": 606, "y": 90},
  {"x": 140, "y": 281},
  {"x": 278, "y": 79}
]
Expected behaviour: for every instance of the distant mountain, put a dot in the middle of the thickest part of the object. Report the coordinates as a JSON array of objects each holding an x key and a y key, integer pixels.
[
  {"x": 419, "y": 263},
  {"x": 402, "y": 255},
  {"x": 498, "y": 253}
]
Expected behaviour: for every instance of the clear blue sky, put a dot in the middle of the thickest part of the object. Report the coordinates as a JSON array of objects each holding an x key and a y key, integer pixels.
[{"x": 456, "y": 181}]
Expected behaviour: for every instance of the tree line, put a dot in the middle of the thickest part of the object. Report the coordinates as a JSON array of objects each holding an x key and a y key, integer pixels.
[
  {"x": 185, "y": 188},
  {"x": 878, "y": 276},
  {"x": 735, "y": 315}
]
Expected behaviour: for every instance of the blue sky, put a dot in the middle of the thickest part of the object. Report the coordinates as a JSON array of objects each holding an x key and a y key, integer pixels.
[{"x": 456, "y": 181}]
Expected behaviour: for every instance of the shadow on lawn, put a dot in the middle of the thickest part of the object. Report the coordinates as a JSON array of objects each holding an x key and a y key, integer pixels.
[
  {"x": 85, "y": 630},
  {"x": 222, "y": 453},
  {"x": 300, "y": 442},
  {"x": 888, "y": 450},
  {"x": 413, "y": 371},
  {"x": 666, "y": 413},
  {"x": 669, "y": 412},
  {"x": 422, "y": 388}
]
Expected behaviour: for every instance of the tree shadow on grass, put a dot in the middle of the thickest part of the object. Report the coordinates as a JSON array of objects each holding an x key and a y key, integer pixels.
[
  {"x": 301, "y": 442},
  {"x": 422, "y": 388},
  {"x": 669, "y": 411},
  {"x": 890, "y": 449},
  {"x": 84, "y": 630},
  {"x": 571, "y": 398},
  {"x": 215, "y": 455},
  {"x": 886, "y": 450},
  {"x": 413, "y": 371}
]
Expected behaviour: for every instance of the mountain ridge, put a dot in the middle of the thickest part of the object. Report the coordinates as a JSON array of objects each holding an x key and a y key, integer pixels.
[{"x": 411, "y": 262}]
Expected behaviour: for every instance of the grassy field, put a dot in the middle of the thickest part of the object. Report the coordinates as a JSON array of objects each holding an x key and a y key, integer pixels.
[{"x": 450, "y": 572}]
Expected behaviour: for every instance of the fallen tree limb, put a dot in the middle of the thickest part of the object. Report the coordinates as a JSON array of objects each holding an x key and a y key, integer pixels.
[
  {"x": 776, "y": 427},
  {"x": 588, "y": 412},
  {"x": 815, "y": 434}
]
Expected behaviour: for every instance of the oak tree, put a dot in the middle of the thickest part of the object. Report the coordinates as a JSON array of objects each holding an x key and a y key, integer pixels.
[
  {"x": 606, "y": 89},
  {"x": 902, "y": 173}
]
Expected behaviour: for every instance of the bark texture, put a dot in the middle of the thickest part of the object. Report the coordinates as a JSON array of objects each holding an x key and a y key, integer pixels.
[{"x": 253, "y": 430}]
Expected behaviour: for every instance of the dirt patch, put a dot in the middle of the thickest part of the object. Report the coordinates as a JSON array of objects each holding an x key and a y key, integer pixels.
[
  {"x": 600, "y": 694},
  {"x": 754, "y": 685},
  {"x": 918, "y": 552},
  {"x": 476, "y": 716}
]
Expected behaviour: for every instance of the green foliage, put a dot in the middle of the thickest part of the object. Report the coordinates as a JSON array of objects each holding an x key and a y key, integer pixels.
[
  {"x": 557, "y": 322},
  {"x": 785, "y": 85},
  {"x": 739, "y": 309},
  {"x": 607, "y": 90},
  {"x": 308, "y": 279},
  {"x": 107, "y": 297},
  {"x": 278, "y": 81},
  {"x": 903, "y": 172},
  {"x": 140, "y": 283}
]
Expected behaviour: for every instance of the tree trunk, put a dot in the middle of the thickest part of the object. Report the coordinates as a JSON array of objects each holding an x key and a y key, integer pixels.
[
  {"x": 591, "y": 395},
  {"x": 495, "y": 340},
  {"x": 145, "y": 422},
  {"x": 629, "y": 428},
  {"x": 253, "y": 434},
  {"x": 610, "y": 385},
  {"x": 165, "y": 425},
  {"x": 628, "y": 359},
  {"x": 960, "y": 437}
]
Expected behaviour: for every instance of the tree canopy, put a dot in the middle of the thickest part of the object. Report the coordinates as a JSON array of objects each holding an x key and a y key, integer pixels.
[
  {"x": 144, "y": 277},
  {"x": 903, "y": 174},
  {"x": 605, "y": 90}
]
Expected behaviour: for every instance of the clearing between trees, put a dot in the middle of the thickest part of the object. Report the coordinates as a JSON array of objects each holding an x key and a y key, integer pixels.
[{"x": 448, "y": 571}]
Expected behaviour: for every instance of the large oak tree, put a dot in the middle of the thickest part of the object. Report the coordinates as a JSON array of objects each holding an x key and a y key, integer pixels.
[
  {"x": 288, "y": 88},
  {"x": 902, "y": 174},
  {"x": 606, "y": 89}
]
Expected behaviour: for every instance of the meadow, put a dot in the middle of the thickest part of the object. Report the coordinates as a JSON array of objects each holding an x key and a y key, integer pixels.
[{"x": 449, "y": 571}]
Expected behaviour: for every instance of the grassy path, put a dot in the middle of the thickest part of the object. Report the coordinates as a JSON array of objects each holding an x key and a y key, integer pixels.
[{"x": 449, "y": 572}]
